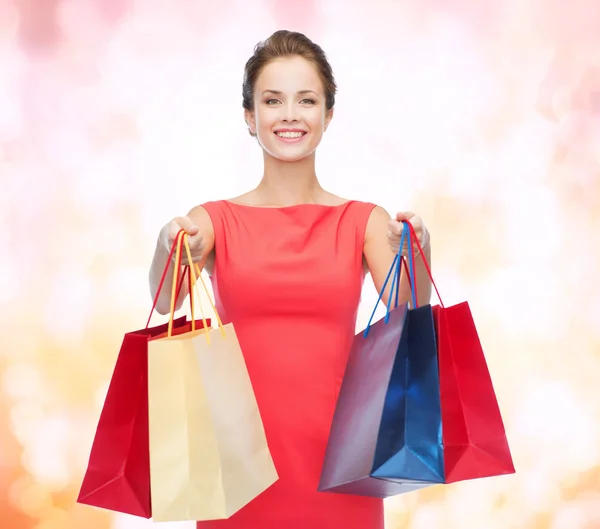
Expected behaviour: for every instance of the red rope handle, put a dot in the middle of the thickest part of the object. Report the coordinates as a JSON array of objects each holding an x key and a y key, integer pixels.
[
  {"x": 406, "y": 270},
  {"x": 416, "y": 239},
  {"x": 163, "y": 278}
]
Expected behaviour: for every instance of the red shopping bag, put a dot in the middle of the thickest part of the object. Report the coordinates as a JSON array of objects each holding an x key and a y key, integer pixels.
[
  {"x": 474, "y": 437},
  {"x": 475, "y": 444},
  {"x": 118, "y": 473}
]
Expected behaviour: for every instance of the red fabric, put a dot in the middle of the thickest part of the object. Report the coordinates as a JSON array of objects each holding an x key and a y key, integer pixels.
[
  {"x": 475, "y": 444},
  {"x": 118, "y": 473},
  {"x": 290, "y": 280}
]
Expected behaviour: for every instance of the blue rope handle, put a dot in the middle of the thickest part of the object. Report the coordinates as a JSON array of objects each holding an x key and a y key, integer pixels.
[
  {"x": 395, "y": 281},
  {"x": 411, "y": 267}
]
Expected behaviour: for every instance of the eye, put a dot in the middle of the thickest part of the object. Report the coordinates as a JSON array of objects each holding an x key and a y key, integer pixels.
[
  {"x": 308, "y": 101},
  {"x": 271, "y": 101}
]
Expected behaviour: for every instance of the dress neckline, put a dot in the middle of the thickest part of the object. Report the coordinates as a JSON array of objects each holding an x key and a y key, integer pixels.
[{"x": 295, "y": 206}]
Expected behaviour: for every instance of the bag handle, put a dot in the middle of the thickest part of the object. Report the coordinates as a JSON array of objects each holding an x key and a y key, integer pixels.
[
  {"x": 408, "y": 232},
  {"x": 183, "y": 243},
  {"x": 181, "y": 236},
  {"x": 412, "y": 278},
  {"x": 163, "y": 278},
  {"x": 395, "y": 267},
  {"x": 195, "y": 274},
  {"x": 413, "y": 237},
  {"x": 212, "y": 304},
  {"x": 397, "y": 275}
]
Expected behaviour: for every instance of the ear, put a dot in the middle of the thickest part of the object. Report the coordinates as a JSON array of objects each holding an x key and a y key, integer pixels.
[
  {"x": 328, "y": 118},
  {"x": 250, "y": 121}
]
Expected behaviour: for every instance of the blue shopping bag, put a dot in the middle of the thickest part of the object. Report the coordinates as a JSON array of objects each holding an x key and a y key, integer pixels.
[{"x": 386, "y": 434}]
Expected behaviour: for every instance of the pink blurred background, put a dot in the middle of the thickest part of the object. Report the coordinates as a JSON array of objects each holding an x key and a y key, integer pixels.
[{"x": 483, "y": 116}]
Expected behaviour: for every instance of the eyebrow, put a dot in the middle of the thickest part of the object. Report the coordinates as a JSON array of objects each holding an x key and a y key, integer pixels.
[{"x": 300, "y": 92}]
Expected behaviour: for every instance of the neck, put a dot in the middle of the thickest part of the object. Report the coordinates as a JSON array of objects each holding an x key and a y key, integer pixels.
[{"x": 289, "y": 183}]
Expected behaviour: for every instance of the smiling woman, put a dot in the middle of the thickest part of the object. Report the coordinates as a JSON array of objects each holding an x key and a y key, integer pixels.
[
  {"x": 290, "y": 105},
  {"x": 287, "y": 262},
  {"x": 288, "y": 95}
]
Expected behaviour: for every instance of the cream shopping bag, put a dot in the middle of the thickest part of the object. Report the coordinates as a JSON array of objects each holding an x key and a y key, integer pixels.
[{"x": 208, "y": 451}]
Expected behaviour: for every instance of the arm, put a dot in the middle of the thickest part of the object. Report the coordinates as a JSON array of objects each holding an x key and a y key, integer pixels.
[
  {"x": 379, "y": 258},
  {"x": 201, "y": 238}
]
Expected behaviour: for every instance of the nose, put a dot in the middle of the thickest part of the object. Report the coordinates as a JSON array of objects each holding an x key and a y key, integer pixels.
[{"x": 290, "y": 113}]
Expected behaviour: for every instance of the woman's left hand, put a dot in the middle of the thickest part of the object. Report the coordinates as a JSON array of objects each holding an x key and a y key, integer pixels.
[{"x": 395, "y": 228}]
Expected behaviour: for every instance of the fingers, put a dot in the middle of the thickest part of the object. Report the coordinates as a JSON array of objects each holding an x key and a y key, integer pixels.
[
  {"x": 174, "y": 229},
  {"x": 194, "y": 238},
  {"x": 187, "y": 224},
  {"x": 196, "y": 258},
  {"x": 394, "y": 234},
  {"x": 196, "y": 251},
  {"x": 405, "y": 215},
  {"x": 395, "y": 228},
  {"x": 182, "y": 223}
]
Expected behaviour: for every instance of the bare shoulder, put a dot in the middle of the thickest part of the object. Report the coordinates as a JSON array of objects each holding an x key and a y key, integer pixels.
[
  {"x": 376, "y": 250},
  {"x": 377, "y": 224},
  {"x": 201, "y": 218}
]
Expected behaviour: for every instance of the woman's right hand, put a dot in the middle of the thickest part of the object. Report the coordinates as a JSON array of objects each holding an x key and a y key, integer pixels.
[{"x": 195, "y": 240}]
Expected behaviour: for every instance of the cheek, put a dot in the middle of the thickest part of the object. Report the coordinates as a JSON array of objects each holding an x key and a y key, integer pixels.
[
  {"x": 317, "y": 119},
  {"x": 263, "y": 117}
]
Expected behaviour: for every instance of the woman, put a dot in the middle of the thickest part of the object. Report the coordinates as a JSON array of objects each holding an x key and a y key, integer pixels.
[{"x": 287, "y": 262}]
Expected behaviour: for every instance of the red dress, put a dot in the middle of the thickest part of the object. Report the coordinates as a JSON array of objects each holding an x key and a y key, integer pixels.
[{"x": 290, "y": 280}]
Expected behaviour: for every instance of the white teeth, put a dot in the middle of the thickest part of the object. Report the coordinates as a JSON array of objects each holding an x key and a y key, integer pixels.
[{"x": 290, "y": 134}]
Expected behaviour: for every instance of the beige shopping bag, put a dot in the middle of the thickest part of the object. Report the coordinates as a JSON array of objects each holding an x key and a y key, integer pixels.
[{"x": 208, "y": 451}]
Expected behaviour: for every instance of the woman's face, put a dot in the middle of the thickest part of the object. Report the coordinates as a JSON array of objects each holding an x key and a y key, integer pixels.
[{"x": 289, "y": 114}]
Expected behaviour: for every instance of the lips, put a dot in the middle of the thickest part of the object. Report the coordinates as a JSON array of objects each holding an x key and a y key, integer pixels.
[{"x": 290, "y": 134}]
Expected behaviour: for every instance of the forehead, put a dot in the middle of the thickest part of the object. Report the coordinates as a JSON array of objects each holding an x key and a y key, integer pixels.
[{"x": 289, "y": 74}]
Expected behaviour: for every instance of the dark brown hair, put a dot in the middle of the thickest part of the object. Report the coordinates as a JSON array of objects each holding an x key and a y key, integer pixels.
[{"x": 285, "y": 43}]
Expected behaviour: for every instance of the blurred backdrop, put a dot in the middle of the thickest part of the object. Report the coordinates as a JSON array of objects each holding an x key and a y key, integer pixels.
[{"x": 483, "y": 116}]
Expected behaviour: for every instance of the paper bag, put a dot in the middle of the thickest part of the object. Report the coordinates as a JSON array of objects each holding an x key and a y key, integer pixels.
[
  {"x": 385, "y": 437},
  {"x": 475, "y": 443},
  {"x": 118, "y": 473},
  {"x": 208, "y": 450}
]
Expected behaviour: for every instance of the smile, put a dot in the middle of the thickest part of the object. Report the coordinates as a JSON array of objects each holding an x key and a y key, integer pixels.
[{"x": 289, "y": 136}]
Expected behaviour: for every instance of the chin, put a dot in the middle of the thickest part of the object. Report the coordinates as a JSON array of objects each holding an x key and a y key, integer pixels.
[{"x": 289, "y": 157}]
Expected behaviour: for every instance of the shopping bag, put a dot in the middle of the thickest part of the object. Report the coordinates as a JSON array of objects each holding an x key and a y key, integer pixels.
[
  {"x": 475, "y": 443},
  {"x": 118, "y": 473},
  {"x": 117, "y": 477},
  {"x": 208, "y": 451},
  {"x": 385, "y": 437}
]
